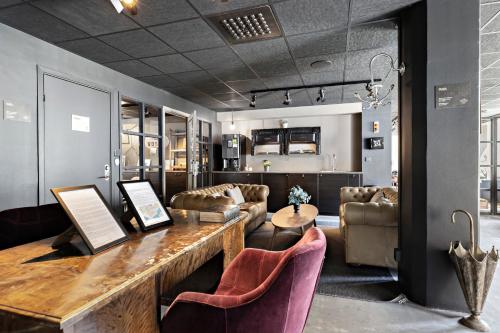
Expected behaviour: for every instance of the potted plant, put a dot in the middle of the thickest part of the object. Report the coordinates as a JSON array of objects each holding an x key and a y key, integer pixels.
[
  {"x": 297, "y": 197},
  {"x": 267, "y": 165}
]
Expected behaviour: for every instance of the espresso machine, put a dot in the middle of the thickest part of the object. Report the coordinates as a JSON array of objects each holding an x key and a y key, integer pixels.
[{"x": 233, "y": 152}]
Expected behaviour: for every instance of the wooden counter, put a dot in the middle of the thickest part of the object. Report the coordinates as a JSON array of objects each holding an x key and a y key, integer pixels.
[{"x": 118, "y": 290}]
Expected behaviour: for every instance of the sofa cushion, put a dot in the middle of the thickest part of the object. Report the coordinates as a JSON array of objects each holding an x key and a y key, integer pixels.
[
  {"x": 376, "y": 197},
  {"x": 391, "y": 193},
  {"x": 236, "y": 195}
]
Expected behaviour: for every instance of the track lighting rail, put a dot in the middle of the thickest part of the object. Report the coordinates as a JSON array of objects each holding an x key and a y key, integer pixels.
[{"x": 337, "y": 84}]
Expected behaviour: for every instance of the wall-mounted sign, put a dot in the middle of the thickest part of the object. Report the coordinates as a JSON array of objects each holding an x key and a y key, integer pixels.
[
  {"x": 15, "y": 111},
  {"x": 376, "y": 143},
  {"x": 80, "y": 123},
  {"x": 453, "y": 95}
]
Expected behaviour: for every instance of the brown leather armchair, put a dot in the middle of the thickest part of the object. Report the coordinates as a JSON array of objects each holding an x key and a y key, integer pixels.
[
  {"x": 255, "y": 201},
  {"x": 370, "y": 229}
]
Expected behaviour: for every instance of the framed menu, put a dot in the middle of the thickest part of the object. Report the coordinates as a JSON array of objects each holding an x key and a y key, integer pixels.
[
  {"x": 145, "y": 204},
  {"x": 91, "y": 216}
]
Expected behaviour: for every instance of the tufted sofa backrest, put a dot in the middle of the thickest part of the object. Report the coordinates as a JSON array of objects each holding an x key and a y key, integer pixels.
[
  {"x": 357, "y": 194},
  {"x": 254, "y": 193}
]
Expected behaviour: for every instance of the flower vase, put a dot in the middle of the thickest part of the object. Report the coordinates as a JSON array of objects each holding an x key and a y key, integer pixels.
[{"x": 296, "y": 208}]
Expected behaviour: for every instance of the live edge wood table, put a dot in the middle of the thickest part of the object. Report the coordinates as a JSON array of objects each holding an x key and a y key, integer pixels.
[
  {"x": 286, "y": 218},
  {"x": 119, "y": 290}
]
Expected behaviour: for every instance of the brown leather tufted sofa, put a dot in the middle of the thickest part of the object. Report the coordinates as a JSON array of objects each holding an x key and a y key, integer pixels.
[
  {"x": 370, "y": 229},
  {"x": 255, "y": 201}
]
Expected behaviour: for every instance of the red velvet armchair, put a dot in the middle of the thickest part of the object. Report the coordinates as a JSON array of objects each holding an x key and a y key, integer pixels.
[{"x": 261, "y": 291}]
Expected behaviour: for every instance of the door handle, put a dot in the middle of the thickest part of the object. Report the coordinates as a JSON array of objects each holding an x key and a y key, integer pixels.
[{"x": 107, "y": 172}]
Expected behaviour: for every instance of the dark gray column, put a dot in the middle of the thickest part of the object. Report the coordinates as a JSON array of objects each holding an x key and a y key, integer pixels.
[{"x": 439, "y": 147}]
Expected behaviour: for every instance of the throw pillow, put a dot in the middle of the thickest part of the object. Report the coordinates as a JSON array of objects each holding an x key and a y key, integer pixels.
[
  {"x": 391, "y": 194},
  {"x": 379, "y": 194},
  {"x": 236, "y": 195},
  {"x": 383, "y": 200},
  {"x": 215, "y": 195}
]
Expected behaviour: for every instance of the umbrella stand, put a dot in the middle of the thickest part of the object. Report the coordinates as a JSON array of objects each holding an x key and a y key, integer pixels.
[{"x": 475, "y": 270}]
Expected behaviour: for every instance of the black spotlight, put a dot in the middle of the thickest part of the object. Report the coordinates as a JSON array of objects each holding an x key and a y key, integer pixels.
[
  {"x": 253, "y": 101},
  {"x": 321, "y": 98},
  {"x": 287, "y": 100}
]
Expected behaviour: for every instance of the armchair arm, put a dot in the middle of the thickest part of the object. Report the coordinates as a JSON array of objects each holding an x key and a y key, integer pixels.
[{"x": 371, "y": 213}]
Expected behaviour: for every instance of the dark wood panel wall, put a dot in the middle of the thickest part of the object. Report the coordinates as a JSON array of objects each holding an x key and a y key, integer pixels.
[{"x": 324, "y": 188}]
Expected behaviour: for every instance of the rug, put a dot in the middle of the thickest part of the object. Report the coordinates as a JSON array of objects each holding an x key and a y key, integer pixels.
[{"x": 337, "y": 278}]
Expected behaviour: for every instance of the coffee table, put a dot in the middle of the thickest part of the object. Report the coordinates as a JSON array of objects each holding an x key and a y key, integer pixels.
[{"x": 286, "y": 219}]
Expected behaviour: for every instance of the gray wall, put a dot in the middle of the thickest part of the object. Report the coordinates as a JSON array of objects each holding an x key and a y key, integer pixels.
[
  {"x": 19, "y": 56},
  {"x": 440, "y": 147},
  {"x": 376, "y": 163}
]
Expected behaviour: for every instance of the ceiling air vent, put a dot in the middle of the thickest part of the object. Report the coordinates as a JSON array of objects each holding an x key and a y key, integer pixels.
[{"x": 247, "y": 25}]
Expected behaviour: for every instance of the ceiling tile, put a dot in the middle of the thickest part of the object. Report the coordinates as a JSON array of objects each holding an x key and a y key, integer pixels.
[
  {"x": 161, "y": 81},
  {"x": 270, "y": 100},
  {"x": 317, "y": 43},
  {"x": 337, "y": 63},
  {"x": 263, "y": 51},
  {"x": 137, "y": 43},
  {"x": 488, "y": 83},
  {"x": 490, "y": 43},
  {"x": 5, "y": 3},
  {"x": 211, "y": 6},
  {"x": 39, "y": 24},
  {"x": 275, "y": 68},
  {"x": 238, "y": 105},
  {"x": 322, "y": 78},
  {"x": 233, "y": 74},
  {"x": 301, "y": 16},
  {"x": 173, "y": 63},
  {"x": 358, "y": 63},
  {"x": 153, "y": 12},
  {"x": 349, "y": 91},
  {"x": 244, "y": 86},
  {"x": 231, "y": 96},
  {"x": 370, "y": 36},
  {"x": 94, "y": 49},
  {"x": 490, "y": 59},
  {"x": 371, "y": 10},
  {"x": 213, "y": 88},
  {"x": 92, "y": 16},
  {"x": 215, "y": 58},
  {"x": 283, "y": 81},
  {"x": 188, "y": 35},
  {"x": 133, "y": 68},
  {"x": 195, "y": 77},
  {"x": 333, "y": 95}
]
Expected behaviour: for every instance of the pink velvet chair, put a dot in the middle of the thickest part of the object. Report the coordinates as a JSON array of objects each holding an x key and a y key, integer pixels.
[{"x": 261, "y": 291}]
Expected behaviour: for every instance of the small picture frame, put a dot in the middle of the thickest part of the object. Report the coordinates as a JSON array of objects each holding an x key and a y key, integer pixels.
[
  {"x": 91, "y": 216},
  {"x": 145, "y": 204},
  {"x": 376, "y": 143}
]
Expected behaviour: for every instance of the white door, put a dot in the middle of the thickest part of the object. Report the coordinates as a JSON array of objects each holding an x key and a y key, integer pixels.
[{"x": 75, "y": 137}]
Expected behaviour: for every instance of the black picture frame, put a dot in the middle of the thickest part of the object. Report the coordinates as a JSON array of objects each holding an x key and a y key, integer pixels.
[
  {"x": 135, "y": 212},
  {"x": 94, "y": 250},
  {"x": 376, "y": 143}
]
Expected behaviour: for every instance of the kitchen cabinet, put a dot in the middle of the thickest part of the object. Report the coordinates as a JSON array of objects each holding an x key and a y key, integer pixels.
[
  {"x": 329, "y": 192},
  {"x": 278, "y": 190},
  {"x": 308, "y": 182},
  {"x": 236, "y": 178},
  {"x": 175, "y": 182}
]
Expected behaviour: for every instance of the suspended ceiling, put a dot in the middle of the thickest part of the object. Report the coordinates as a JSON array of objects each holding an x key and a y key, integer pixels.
[{"x": 171, "y": 45}]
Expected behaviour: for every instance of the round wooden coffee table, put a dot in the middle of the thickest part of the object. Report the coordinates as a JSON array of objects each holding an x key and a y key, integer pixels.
[{"x": 286, "y": 218}]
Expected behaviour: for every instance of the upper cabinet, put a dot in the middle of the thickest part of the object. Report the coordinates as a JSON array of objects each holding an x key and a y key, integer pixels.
[{"x": 287, "y": 141}]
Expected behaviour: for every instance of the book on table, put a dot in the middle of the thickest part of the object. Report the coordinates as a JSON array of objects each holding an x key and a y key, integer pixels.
[{"x": 220, "y": 214}]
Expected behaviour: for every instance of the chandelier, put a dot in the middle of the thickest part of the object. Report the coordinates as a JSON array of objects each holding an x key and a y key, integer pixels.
[{"x": 374, "y": 99}]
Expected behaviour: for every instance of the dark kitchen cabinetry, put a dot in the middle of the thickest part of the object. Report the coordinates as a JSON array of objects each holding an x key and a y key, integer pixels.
[
  {"x": 278, "y": 190},
  {"x": 329, "y": 192},
  {"x": 175, "y": 182},
  {"x": 236, "y": 178},
  {"x": 308, "y": 182}
]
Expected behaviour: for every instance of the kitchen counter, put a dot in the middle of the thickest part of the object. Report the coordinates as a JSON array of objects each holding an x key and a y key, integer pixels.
[{"x": 296, "y": 172}]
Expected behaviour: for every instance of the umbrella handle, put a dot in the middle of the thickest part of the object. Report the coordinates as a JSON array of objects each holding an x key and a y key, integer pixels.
[{"x": 472, "y": 230}]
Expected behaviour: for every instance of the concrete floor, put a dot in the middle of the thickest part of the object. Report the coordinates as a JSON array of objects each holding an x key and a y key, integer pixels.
[{"x": 334, "y": 314}]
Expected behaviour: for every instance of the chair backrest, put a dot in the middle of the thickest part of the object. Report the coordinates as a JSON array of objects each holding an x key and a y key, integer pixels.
[
  {"x": 288, "y": 290},
  {"x": 28, "y": 224}
]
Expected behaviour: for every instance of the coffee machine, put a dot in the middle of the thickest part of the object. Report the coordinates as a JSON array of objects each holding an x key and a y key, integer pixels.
[{"x": 233, "y": 152}]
